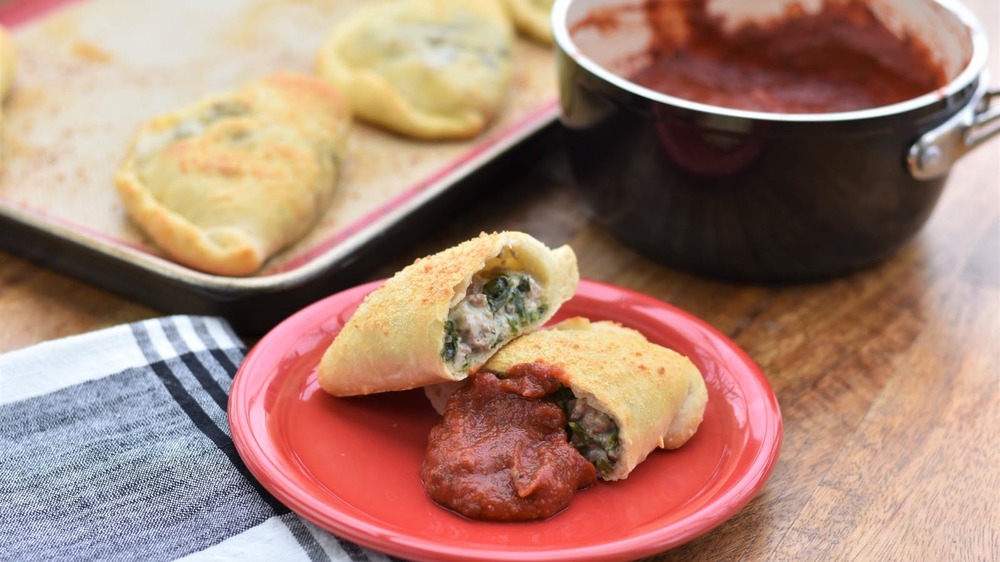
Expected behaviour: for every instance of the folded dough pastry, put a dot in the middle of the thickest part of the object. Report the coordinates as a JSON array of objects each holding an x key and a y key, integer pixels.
[
  {"x": 532, "y": 18},
  {"x": 627, "y": 396},
  {"x": 429, "y": 69},
  {"x": 443, "y": 316},
  {"x": 227, "y": 182}
]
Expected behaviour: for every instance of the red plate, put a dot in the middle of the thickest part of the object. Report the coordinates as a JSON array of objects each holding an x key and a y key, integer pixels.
[{"x": 351, "y": 465}]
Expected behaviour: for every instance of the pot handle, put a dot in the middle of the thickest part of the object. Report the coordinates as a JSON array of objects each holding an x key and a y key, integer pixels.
[{"x": 933, "y": 155}]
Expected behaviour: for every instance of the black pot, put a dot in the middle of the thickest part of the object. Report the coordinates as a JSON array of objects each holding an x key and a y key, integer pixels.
[{"x": 760, "y": 196}]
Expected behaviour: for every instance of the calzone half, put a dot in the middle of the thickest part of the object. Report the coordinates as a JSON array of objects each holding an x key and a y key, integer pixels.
[
  {"x": 429, "y": 69},
  {"x": 623, "y": 395},
  {"x": 444, "y": 315},
  {"x": 227, "y": 182}
]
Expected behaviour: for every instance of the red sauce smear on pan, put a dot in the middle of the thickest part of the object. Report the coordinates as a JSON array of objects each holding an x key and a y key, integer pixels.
[
  {"x": 841, "y": 58},
  {"x": 501, "y": 452}
]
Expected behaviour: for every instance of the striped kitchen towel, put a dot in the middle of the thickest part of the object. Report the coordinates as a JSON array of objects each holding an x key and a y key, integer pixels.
[{"x": 114, "y": 445}]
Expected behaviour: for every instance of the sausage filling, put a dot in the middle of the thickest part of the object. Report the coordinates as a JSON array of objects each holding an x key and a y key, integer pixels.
[
  {"x": 497, "y": 306},
  {"x": 592, "y": 432}
]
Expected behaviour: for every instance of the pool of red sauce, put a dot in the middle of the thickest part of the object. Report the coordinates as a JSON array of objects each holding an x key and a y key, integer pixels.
[
  {"x": 501, "y": 453},
  {"x": 840, "y": 58}
]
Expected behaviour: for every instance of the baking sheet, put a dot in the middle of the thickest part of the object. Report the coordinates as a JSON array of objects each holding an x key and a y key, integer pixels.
[{"x": 91, "y": 71}]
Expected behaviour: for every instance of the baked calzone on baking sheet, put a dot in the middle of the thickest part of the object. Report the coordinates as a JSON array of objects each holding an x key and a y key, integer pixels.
[
  {"x": 444, "y": 315},
  {"x": 227, "y": 182},
  {"x": 429, "y": 69},
  {"x": 532, "y": 18}
]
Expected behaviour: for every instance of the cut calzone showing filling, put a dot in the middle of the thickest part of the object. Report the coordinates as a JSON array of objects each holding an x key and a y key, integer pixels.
[
  {"x": 443, "y": 316},
  {"x": 429, "y": 69},
  {"x": 623, "y": 396},
  {"x": 224, "y": 184}
]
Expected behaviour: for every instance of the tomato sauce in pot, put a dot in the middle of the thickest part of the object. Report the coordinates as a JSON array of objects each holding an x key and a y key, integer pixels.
[
  {"x": 840, "y": 58},
  {"x": 501, "y": 451}
]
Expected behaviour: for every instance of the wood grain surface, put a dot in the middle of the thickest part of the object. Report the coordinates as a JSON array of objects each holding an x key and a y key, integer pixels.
[{"x": 888, "y": 379}]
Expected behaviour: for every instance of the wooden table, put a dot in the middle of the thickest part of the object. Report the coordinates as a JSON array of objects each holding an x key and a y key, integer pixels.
[{"x": 888, "y": 380}]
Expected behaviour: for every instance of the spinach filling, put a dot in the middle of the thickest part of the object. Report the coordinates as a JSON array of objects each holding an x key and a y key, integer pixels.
[
  {"x": 593, "y": 433},
  {"x": 451, "y": 341},
  {"x": 497, "y": 306},
  {"x": 506, "y": 293}
]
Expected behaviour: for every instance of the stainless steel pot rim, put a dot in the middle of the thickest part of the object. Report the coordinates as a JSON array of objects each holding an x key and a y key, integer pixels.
[{"x": 973, "y": 70}]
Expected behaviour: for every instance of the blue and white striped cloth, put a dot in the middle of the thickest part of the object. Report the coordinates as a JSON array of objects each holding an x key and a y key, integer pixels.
[{"x": 114, "y": 445}]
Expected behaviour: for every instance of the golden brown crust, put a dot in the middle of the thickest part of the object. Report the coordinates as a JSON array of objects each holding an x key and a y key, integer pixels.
[
  {"x": 225, "y": 183},
  {"x": 656, "y": 396},
  {"x": 395, "y": 339},
  {"x": 428, "y": 69}
]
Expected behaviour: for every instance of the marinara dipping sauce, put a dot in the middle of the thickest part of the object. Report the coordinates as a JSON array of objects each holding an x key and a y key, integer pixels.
[
  {"x": 840, "y": 58},
  {"x": 501, "y": 452}
]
